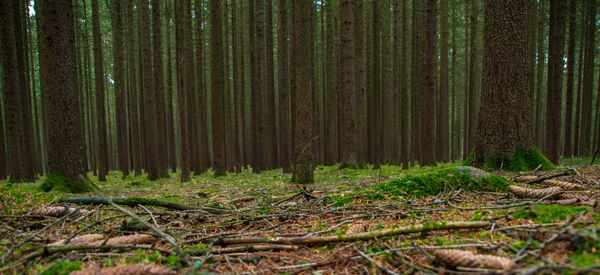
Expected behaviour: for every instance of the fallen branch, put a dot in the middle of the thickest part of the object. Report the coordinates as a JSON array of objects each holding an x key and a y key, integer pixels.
[
  {"x": 134, "y": 201},
  {"x": 426, "y": 227}
]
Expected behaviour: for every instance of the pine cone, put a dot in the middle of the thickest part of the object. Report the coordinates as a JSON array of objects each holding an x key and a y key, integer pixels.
[
  {"x": 59, "y": 211},
  {"x": 454, "y": 258},
  {"x": 563, "y": 184},
  {"x": 580, "y": 196},
  {"x": 523, "y": 192},
  {"x": 83, "y": 239},
  {"x": 130, "y": 269},
  {"x": 526, "y": 178}
]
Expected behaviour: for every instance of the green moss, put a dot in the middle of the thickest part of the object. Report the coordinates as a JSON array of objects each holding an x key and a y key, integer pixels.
[
  {"x": 548, "y": 213},
  {"x": 62, "y": 183},
  {"x": 64, "y": 267},
  {"x": 522, "y": 160},
  {"x": 585, "y": 259},
  {"x": 431, "y": 184}
]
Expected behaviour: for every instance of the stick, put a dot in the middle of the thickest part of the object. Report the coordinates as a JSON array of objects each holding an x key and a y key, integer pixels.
[
  {"x": 134, "y": 201},
  {"x": 426, "y": 227},
  {"x": 14, "y": 247}
]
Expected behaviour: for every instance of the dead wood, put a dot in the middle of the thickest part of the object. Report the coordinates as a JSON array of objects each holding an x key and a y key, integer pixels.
[
  {"x": 131, "y": 269},
  {"x": 426, "y": 227},
  {"x": 523, "y": 192},
  {"x": 134, "y": 201}
]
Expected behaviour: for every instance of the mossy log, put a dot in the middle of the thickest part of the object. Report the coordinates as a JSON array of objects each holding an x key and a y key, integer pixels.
[{"x": 134, "y": 201}]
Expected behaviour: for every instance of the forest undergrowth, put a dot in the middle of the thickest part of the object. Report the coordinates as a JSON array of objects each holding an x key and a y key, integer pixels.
[{"x": 368, "y": 221}]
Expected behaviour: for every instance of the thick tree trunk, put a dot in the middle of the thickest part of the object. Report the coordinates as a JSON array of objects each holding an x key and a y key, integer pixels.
[
  {"x": 184, "y": 55},
  {"x": 58, "y": 82},
  {"x": 555, "y": 76},
  {"x": 505, "y": 83}
]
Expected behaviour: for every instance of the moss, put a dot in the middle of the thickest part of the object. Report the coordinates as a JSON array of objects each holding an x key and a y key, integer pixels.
[
  {"x": 431, "y": 184},
  {"x": 63, "y": 183},
  {"x": 522, "y": 160},
  {"x": 548, "y": 213},
  {"x": 64, "y": 267},
  {"x": 585, "y": 259}
]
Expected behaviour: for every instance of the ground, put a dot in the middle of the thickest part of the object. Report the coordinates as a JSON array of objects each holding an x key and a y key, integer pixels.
[{"x": 339, "y": 203}]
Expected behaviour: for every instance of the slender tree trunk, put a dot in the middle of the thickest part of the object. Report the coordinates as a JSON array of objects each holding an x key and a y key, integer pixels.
[
  {"x": 532, "y": 26},
  {"x": 197, "y": 101},
  {"x": 455, "y": 134},
  {"x": 465, "y": 109},
  {"x": 555, "y": 76},
  {"x": 473, "y": 94},
  {"x": 430, "y": 91},
  {"x": 285, "y": 154},
  {"x": 102, "y": 148},
  {"x": 577, "y": 118},
  {"x": 404, "y": 92},
  {"x": 238, "y": 87},
  {"x": 184, "y": 54},
  {"x": 567, "y": 145},
  {"x": 539, "y": 79},
  {"x": 258, "y": 91},
  {"x": 361, "y": 80},
  {"x": 442, "y": 144},
  {"x": 169, "y": 93},
  {"x": 271, "y": 141},
  {"x": 159, "y": 90},
  {"x": 349, "y": 134},
  {"x": 217, "y": 93},
  {"x": 588, "y": 79},
  {"x": 120, "y": 91},
  {"x": 303, "y": 166},
  {"x": 132, "y": 92}
]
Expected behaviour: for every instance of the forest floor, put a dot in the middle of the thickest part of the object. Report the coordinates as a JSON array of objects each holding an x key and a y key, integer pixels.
[{"x": 537, "y": 234}]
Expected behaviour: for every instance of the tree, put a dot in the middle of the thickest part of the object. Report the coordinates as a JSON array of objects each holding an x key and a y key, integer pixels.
[
  {"x": 568, "y": 146},
  {"x": 58, "y": 82},
  {"x": 588, "y": 79},
  {"x": 430, "y": 90},
  {"x": 442, "y": 144},
  {"x": 159, "y": 92},
  {"x": 185, "y": 67},
  {"x": 101, "y": 146},
  {"x": 303, "y": 166},
  {"x": 505, "y": 90},
  {"x": 120, "y": 91},
  {"x": 555, "y": 75},
  {"x": 285, "y": 151},
  {"x": 149, "y": 97},
  {"x": 217, "y": 97},
  {"x": 404, "y": 95},
  {"x": 132, "y": 92},
  {"x": 473, "y": 97}
]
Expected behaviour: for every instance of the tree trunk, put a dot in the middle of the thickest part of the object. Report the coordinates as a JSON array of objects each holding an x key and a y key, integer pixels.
[
  {"x": 430, "y": 91},
  {"x": 473, "y": 94},
  {"x": 120, "y": 91},
  {"x": 217, "y": 93},
  {"x": 58, "y": 83},
  {"x": 442, "y": 145},
  {"x": 303, "y": 166},
  {"x": 132, "y": 93},
  {"x": 505, "y": 84},
  {"x": 169, "y": 91},
  {"x": 102, "y": 148},
  {"x": 404, "y": 92},
  {"x": 588, "y": 79},
  {"x": 555, "y": 76},
  {"x": 196, "y": 101},
  {"x": 184, "y": 55},
  {"x": 159, "y": 90},
  {"x": 539, "y": 98},
  {"x": 285, "y": 154},
  {"x": 348, "y": 119},
  {"x": 270, "y": 130},
  {"x": 567, "y": 145}
]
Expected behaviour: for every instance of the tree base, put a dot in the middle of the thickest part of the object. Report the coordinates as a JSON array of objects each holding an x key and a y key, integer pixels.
[
  {"x": 522, "y": 160},
  {"x": 62, "y": 183}
]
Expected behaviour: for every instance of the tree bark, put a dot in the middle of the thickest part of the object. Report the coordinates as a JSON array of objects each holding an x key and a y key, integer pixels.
[
  {"x": 285, "y": 154},
  {"x": 555, "y": 76},
  {"x": 442, "y": 144},
  {"x": 429, "y": 137},
  {"x": 505, "y": 83},
  {"x": 217, "y": 86},
  {"x": 588, "y": 79},
  {"x": 102, "y": 148},
  {"x": 303, "y": 166},
  {"x": 184, "y": 55},
  {"x": 348, "y": 116},
  {"x": 159, "y": 92},
  {"x": 120, "y": 90},
  {"x": 58, "y": 82}
]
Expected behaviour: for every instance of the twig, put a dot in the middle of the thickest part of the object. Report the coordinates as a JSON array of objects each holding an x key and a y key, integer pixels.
[
  {"x": 134, "y": 201},
  {"x": 14, "y": 247},
  {"x": 150, "y": 213},
  {"x": 375, "y": 262}
]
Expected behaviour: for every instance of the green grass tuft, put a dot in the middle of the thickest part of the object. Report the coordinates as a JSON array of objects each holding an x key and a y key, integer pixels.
[{"x": 548, "y": 213}]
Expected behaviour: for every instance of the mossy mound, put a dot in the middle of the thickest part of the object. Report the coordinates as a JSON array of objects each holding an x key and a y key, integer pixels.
[
  {"x": 431, "y": 184},
  {"x": 62, "y": 183},
  {"x": 522, "y": 160}
]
